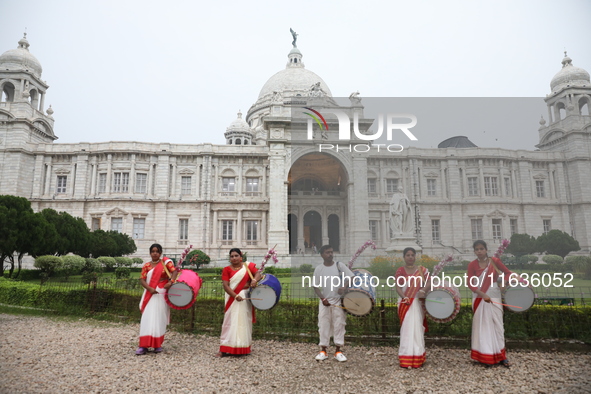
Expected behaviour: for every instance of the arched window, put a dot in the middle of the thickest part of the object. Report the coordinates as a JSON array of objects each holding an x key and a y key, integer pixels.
[
  {"x": 584, "y": 106},
  {"x": 229, "y": 142},
  {"x": 238, "y": 141},
  {"x": 8, "y": 92},
  {"x": 561, "y": 111}
]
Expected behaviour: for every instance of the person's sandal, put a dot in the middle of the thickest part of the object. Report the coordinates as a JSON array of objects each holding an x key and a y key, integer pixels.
[
  {"x": 158, "y": 350},
  {"x": 505, "y": 363},
  {"x": 140, "y": 351}
]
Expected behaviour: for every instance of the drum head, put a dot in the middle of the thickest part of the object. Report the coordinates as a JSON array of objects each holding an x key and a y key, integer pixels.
[
  {"x": 358, "y": 303},
  {"x": 518, "y": 296},
  {"x": 180, "y": 294},
  {"x": 268, "y": 297},
  {"x": 439, "y": 304}
]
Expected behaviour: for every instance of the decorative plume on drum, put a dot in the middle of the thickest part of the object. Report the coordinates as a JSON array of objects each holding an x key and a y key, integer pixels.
[
  {"x": 360, "y": 250},
  {"x": 183, "y": 255},
  {"x": 439, "y": 267},
  {"x": 270, "y": 254}
]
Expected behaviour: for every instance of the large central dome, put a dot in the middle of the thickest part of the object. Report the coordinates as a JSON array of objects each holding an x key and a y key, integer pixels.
[
  {"x": 21, "y": 59},
  {"x": 294, "y": 80}
]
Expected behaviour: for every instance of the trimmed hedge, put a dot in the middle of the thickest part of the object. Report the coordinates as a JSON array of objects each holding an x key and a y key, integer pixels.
[{"x": 292, "y": 319}]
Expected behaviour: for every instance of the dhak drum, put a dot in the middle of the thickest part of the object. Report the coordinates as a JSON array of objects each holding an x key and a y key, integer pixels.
[
  {"x": 442, "y": 303},
  {"x": 359, "y": 299},
  {"x": 266, "y": 295},
  {"x": 518, "y": 298},
  {"x": 182, "y": 293}
]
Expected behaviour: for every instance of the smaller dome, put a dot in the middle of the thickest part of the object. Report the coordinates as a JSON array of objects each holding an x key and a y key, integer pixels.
[
  {"x": 239, "y": 124},
  {"x": 569, "y": 75},
  {"x": 457, "y": 142},
  {"x": 20, "y": 59}
]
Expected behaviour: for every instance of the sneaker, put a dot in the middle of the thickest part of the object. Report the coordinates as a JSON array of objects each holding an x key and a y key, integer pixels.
[
  {"x": 339, "y": 356},
  {"x": 158, "y": 350},
  {"x": 321, "y": 356},
  {"x": 140, "y": 351}
]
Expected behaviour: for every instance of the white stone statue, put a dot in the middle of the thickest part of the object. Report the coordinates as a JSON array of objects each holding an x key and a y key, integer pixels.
[{"x": 401, "y": 217}]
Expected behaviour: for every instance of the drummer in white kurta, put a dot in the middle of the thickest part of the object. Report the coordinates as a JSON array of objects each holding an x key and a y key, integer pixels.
[{"x": 331, "y": 316}]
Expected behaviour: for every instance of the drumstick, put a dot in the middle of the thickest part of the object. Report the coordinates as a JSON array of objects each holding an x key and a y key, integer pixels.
[{"x": 513, "y": 306}]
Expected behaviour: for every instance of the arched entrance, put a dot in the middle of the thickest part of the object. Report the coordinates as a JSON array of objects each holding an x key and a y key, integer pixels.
[
  {"x": 292, "y": 227},
  {"x": 312, "y": 230},
  {"x": 334, "y": 238},
  {"x": 318, "y": 197}
]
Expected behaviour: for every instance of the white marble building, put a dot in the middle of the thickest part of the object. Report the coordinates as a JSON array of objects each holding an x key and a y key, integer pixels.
[{"x": 265, "y": 187}]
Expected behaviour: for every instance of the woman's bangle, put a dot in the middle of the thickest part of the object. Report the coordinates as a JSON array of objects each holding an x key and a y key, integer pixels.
[{"x": 236, "y": 296}]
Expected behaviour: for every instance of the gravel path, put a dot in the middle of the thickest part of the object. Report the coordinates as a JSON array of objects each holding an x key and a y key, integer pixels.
[{"x": 44, "y": 355}]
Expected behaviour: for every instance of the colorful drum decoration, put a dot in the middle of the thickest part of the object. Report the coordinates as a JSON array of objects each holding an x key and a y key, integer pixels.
[
  {"x": 518, "y": 298},
  {"x": 442, "y": 304},
  {"x": 266, "y": 295},
  {"x": 182, "y": 293},
  {"x": 359, "y": 299}
]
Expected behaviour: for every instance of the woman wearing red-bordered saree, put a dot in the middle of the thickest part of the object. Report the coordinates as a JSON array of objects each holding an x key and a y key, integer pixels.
[
  {"x": 239, "y": 314},
  {"x": 413, "y": 323},
  {"x": 156, "y": 277},
  {"x": 488, "y": 332}
]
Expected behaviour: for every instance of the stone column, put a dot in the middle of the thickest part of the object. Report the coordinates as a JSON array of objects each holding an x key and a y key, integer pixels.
[
  {"x": 93, "y": 177},
  {"x": 132, "y": 175},
  {"x": 481, "y": 177},
  {"x": 239, "y": 229},
  {"x": 48, "y": 175},
  {"x": 214, "y": 235},
  {"x": 81, "y": 176},
  {"x": 263, "y": 235},
  {"x": 38, "y": 176},
  {"x": 108, "y": 186}
]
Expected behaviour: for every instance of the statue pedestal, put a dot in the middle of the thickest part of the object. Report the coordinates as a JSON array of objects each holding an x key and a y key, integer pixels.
[{"x": 398, "y": 244}]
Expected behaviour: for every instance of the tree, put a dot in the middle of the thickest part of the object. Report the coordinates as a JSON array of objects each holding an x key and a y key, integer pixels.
[
  {"x": 521, "y": 244},
  {"x": 73, "y": 233},
  {"x": 197, "y": 257},
  {"x": 557, "y": 242},
  {"x": 101, "y": 244},
  {"x": 125, "y": 244}
]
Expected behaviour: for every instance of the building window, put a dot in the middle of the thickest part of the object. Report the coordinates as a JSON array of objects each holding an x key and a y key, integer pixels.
[
  {"x": 61, "y": 183},
  {"x": 120, "y": 182},
  {"x": 373, "y": 229},
  {"x": 513, "y": 225},
  {"x": 228, "y": 184},
  {"x": 476, "y": 229},
  {"x": 139, "y": 224},
  {"x": 491, "y": 188},
  {"x": 435, "y": 230},
  {"x": 497, "y": 229},
  {"x": 540, "y": 192},
  {"x": 431, "y": 187},
  {"x": 251, "y": 230},
  {"x": 183, "y": 229},
  {"x": 102, "y": 183},
  {"x": 391, "y": 185},
  {"x": 227, "y": 230},
  {"x": 547, "y": 226},
  {"x": 96, "y": 224},
  {"x": 371, "y": 185},
  {"x": 185, "y": 185},
  {"x": 473, "y": 186},
  {"x": 117, "y": 224},
  {"x": 252, "y": 184},
  {"x": 141, "y": 183},
  {"x": 508, "y": 187}
]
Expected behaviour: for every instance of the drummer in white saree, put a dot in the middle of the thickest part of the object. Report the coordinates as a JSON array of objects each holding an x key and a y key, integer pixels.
[
  {"x": 156, "y": 277},
  {"x": 413, "y": 324},
  {"x": 239, "y": 314},
  {"x": 488, "y": 333}
]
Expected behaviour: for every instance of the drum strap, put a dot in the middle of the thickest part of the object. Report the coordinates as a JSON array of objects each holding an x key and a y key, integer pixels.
[
  {"x": 247, "y": 270},
  {"x": 166, "y": 269}
]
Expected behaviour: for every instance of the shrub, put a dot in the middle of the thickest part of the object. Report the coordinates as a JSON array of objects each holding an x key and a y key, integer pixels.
[
  {"x": 73, "y": 265},
  {"x": 552, "y": 259},
  {"x": 427, "y": 262},
  {"x": 306, "y": 268},
  {"x": 198, "y": 258},
  {"x": 91, "y": 271},
  {"x": 383, "y": 266},
  {"x": 108, "y": 263},
  {"x": 528, "y": 258},
  {"x": 137, "y": 261},
  {"x": 48, "y": 264},
  {"x": 579, "y": 263},
  {"x": 269, "y": 269},
  {"x": 123, "y": 262},
  {"x": 122, "y": 273}
]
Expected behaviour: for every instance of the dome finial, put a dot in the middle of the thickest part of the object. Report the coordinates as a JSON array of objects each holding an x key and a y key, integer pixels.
[
  {"x": 23, "y": 43},
  {"x": 239, "y": 114}
]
